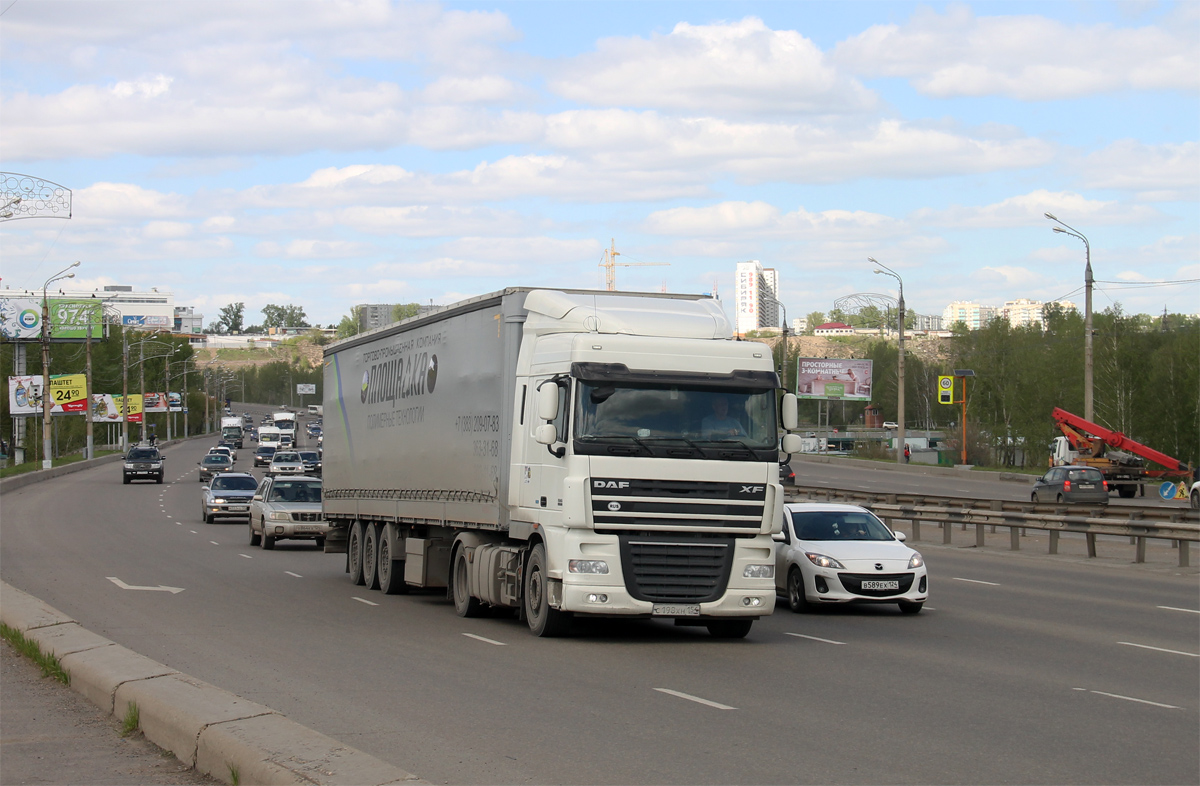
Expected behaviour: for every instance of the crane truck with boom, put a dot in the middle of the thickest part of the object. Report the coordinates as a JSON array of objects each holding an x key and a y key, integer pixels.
[
  {"x": 561, "y": 452},
  {"x": 1122, "y": 460}
]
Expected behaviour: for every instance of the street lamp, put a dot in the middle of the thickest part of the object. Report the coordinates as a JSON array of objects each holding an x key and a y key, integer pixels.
[
  {"x": 1087, "y": 314},
  {"x": 883, "y": 269},
  {"x": 783, "y": 309},
  {"x": 46, "y": 403}
]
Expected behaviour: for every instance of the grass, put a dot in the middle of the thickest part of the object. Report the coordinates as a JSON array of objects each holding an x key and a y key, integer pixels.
[
  {"x": 235, "y": 777},
  {"x": 133, "y": 719},
  {"x": 33, "y": 466},
  {"x": 50, "y": 665}
]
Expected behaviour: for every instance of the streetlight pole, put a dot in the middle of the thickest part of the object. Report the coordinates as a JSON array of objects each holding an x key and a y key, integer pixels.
[
  {"x": 47, "y": 462},
  {"x": 1088, "y": 399},
  {"x": 901, "y": 434}
]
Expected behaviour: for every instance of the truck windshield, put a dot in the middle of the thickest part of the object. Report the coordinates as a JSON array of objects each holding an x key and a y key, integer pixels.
[{"x": 675, "y": 421}]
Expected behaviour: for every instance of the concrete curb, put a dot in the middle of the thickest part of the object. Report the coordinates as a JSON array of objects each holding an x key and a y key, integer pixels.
[
  {"x": 215, "y": 731},
  {"x": 917, "y": 469}
]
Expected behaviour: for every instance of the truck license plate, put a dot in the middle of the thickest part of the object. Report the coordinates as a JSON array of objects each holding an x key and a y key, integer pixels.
[
  {"x": 881, "y": 585},
  {"x": 676, "y": 610}
]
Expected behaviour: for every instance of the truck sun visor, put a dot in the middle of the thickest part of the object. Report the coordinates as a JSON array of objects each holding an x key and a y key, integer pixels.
[{"x": 618, "y": 372}]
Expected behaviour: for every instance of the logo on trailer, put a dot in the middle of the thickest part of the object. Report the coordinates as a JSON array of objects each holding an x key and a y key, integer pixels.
[
  {"x": 431, "y": 374},
  {"x": 366, "y": 384}
]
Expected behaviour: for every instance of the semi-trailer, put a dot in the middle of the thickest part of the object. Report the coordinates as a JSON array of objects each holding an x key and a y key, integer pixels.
[{"x": 561, "y": 452}]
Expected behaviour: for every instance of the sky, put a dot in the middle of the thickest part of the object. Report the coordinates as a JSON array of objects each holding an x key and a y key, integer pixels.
[{"x": 326, "y": 154}]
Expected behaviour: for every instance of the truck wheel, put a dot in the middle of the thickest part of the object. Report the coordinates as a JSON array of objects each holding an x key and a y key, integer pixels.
[
  {"x": 354, "y": 554},
  {"x": 391, "y": 571},
  {"x": 320, "y": 543},
  {"x": 797, "y": 601},
  {"x": 1127, "y": 491},
  {"x": 255, "y": 538},
  {"x": 730, "y": 629},
  {"x": 370, "y": 556},
  {"x": 543, "y": 620},
  {"x": 460, "y": 586}
]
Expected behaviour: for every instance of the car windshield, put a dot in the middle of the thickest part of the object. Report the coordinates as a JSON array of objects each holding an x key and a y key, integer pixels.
[
  {"x": 235, "y": 483},
  {"x": 218, "y": 459},
  {"x": 143, "y": 454},
  {"x": 310, "y": 455},
  {"x": 287, "y": 457},
  {"x": 295, "y": 491},
  {"x": 266, "y": 450},
  {"x": 839, "y": 525},
  {"x": 629, "y": 412}
]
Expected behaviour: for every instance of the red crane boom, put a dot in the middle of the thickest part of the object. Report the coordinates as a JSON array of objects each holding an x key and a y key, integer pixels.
[{"x": 1078, "y": 430}]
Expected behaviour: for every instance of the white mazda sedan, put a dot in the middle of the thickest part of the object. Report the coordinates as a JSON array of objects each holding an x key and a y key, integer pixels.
[{"x": 834, "y": 553}]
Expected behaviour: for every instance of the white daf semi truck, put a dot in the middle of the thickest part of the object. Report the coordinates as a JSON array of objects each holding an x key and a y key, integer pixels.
[{"x": 561, "y": 452}]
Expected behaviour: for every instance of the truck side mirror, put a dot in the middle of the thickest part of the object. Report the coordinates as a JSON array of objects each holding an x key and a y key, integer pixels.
[
  {"x": 791, "y": 443},
  {"x": 791, "y": 416},
  {"x": 547, "y": 401},
  {"x": 545, "y": 434}
]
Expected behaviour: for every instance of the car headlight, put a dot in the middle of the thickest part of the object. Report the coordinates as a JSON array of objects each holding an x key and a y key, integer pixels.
[
  {"x": 916, "y": 560},
  {"x": 219, "y": 501},
  {"x": 278, "y": 515},
  {"x": 821, "y": 561},
  {"x": 595, "y": 566},
  {"x": 128, "y": 466},
  {"x": 758, "y": 572}
]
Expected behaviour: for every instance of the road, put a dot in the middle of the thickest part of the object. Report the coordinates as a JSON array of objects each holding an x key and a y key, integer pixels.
[{"x": 1022, "y": 668}]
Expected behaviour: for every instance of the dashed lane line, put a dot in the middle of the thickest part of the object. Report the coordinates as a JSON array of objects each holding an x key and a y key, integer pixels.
[
  {"x": 1158, "y": 649},
  {"x": 247, "y": 556},
  {"x": 364, "y": 600},
  {"x": 486, "y": 641},
  {"x": 1131, "y": 698},
  {"x": 214, "y": 543},
  {"x": 813, "y": 638},
  {"x": 976, "y": 581},
  {"x": 1176, "y": 608},
  {"x": 696, "y": 699},
  {"x": 297, "y": 575}
]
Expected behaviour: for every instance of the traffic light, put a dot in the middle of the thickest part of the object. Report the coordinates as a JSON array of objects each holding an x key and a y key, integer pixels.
[{"x": 945, "y": 390}]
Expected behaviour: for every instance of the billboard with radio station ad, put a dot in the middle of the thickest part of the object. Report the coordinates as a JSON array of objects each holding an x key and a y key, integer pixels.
[{"x": 21, "y": 318}]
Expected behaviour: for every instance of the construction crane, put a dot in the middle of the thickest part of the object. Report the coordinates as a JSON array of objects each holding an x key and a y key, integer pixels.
[{"x": 610, "y": 266}]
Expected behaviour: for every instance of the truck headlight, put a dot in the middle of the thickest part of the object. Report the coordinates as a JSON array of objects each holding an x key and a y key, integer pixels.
[
  {"x": 916, "y": 560},
  {"x": 821, "y": 561},
  {"x": 594, "y": 566},
  {"x": 758, "y": 572}
]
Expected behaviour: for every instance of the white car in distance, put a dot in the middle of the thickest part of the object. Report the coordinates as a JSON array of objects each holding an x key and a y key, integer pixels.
[{"x": 835, "y": 553}]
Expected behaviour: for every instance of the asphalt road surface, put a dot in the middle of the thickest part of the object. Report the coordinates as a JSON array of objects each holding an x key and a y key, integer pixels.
[{"x": 1022, "y": 668}]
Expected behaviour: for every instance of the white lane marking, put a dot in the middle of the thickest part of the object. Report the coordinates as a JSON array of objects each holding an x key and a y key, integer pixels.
[
  {"x": 977, "y": 581},
  {"x": 247, "y": 556},
  {"x": 297, "y": 575},
  {"x": 486, "y": 641},
  {"x": 159, "y": 588},
  {"x": 812, "y": 638},
  {"x": 1158, "y": 649},
  {"x": 214, "y": 543},
  {"x": 364, "y": 600},
  {"x": 696, "y": 699},
  {"x": 193, "y": 532},
  {"x": 1176, "y": 608},
  {"x": 1130, "y": 698}
]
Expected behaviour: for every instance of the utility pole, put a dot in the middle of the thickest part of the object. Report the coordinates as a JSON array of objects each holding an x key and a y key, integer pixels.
[
  {"x": 124, "y": 389},
  {"x": 91, "y": 446}
]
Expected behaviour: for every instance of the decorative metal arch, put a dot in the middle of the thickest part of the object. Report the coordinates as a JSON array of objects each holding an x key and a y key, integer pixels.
[
  {"x": 26, "y": 196},
  {"x": 887, "y": 305}
]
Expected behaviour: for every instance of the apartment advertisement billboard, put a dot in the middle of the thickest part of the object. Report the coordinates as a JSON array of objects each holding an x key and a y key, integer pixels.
[
  {"x": 21, "y": 318},
  {"x": 834, "y": 378}
]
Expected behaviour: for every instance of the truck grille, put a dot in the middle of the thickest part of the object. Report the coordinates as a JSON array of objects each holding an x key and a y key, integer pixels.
[
  {"x": 661, "y": 504},
  {"x": 666, "y": 569}
]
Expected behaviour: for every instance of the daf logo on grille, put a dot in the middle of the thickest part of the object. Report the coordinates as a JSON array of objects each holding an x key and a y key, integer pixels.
[
  {"x": 614, "y": 506},
  {"x": 878, "y": 566},
  {"x": 610, "y": 484}
]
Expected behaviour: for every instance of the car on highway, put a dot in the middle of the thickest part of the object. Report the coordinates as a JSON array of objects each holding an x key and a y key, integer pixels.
[
  {"x": 248, "y": 419},
  {"x": 1194, "y": 498},
  {"x": 212, "y": 464},
  {"x": 1070, "y": 484},
  {"x": 832, "y": 553},
  {"x": 285, "y": 462},
  {"x": 263, "y": 455},
  {"x": 226, "y": 449},
  {"x": 287, "y": 508},
  {"x": 787, "y": 475},
  {"x": 228, "y": 494},
  {"x": 312, "y": 461},
  {"x": 143, "y": 462}
]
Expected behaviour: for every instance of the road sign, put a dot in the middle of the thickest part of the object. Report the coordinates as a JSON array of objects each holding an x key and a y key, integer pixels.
[{"x": 945, "y": 390}]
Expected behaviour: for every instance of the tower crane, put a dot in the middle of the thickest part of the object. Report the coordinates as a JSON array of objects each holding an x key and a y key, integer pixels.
[{"x": 610, "y": 266}]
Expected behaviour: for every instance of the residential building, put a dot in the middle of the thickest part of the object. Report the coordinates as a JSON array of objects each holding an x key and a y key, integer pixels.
[
  {"x": 926, "y": 322},
  {"x": 187, "y": 320},
  {"x": 973, "y": 315},
  {"x": 756, "y": 293},
  {"x": 799, "y": 325},
  {"x": 835, "y": 329},
  {"x": 373, "y": 315}
]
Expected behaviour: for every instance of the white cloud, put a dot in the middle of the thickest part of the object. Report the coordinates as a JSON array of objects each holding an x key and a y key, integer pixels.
[
  {"x": 732, "y": 67},
  {"x": 1030, "y": 58},
  {"x": 1162, "y": 172},
  {"x": 149, "y": 87},
  {"x": 314, "y": 249},
  {"x": 760, "y": 219},
  {"x": 124, "y": 202},
  {"x": 1029, "y": 209}
]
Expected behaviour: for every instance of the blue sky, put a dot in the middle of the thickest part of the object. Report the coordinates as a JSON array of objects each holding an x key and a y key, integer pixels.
[{"x": 328, "y": 154}]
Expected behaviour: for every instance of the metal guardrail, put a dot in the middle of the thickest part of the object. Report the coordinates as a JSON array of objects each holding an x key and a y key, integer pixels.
[{"x": 1178, "y": 525}]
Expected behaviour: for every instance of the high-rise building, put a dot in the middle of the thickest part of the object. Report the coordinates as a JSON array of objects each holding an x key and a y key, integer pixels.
[
  {"x": 755, "y": 294},
  {"x": 373, "y": 315},
  {"x": 973, "y": 315}
]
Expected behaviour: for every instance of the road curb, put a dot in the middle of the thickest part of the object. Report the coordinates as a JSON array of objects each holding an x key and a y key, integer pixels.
[
  {"x": 917, "y": 469},
  {"x": 217, "y": 732},
  {"x": 38, "y": 475}
]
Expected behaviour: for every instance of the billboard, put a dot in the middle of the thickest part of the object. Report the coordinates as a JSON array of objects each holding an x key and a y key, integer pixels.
[
  {"x": 155, "y": 402},
  {"x": 146, "y": 320},
  {"x": 305, "y": 390},
  {"x": 834, "y": 378},
  {"x": 21, "y": 318},
  {"x": 68, "y": 394}
]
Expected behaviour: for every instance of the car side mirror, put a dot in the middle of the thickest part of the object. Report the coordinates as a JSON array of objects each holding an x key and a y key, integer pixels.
[
  {"x": 256, "y": 498},
  {"x": 900, "y": 536}
]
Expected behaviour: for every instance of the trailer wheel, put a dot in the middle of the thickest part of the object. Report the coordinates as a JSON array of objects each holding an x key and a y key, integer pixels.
[
  {"x": 729, "y": 629},
  {"x": 391, "y": 571},
  {"x": 1127, "y": 491},
  {"x": 370, "y": 556},
  {"x": 543, "y": 620},
  {"x": 460, "y": 586},
  {"x": 354, "y": 544}
]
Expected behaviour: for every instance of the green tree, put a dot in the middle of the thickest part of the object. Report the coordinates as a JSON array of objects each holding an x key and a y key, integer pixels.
[
  {"x": 350, "y": 325},
  {"x": 405, "y": 310},
  {"x": 283, "y": 316},
  {"x": 231, "y": 317},
  {"x": 815, "y": 320}
]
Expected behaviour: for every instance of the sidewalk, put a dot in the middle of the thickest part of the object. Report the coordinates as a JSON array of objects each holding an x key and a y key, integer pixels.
[{"x": 49, "y": 734}]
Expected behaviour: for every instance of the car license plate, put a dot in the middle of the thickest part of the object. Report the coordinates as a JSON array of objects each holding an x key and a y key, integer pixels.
[
  {"x": 676, "y": 610},
  {"x": 881, "y": 585},
  {"x": 1087, "y": 486},
  {"x": 239, "y": 507}
]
